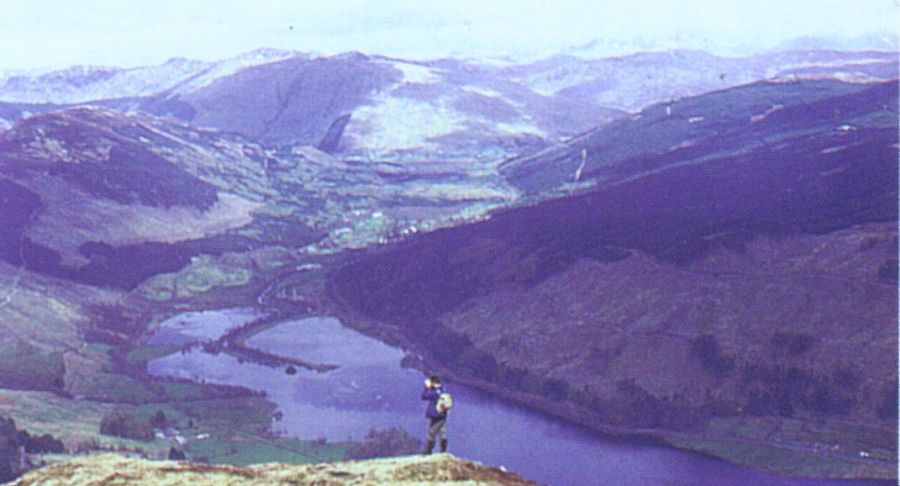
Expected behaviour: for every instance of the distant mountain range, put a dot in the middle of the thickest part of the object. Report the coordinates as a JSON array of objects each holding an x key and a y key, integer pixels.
[{"x": 451, "y": 109}]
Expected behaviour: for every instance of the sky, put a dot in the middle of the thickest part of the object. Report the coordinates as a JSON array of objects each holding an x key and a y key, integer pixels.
[{"x": 59, "y": 33}]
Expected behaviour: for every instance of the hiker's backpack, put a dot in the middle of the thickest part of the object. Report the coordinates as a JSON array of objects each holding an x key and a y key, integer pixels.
[{"x": 444, "y": 403}]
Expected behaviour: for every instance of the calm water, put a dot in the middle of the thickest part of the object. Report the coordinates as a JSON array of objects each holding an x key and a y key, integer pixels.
[{"x": 370, "y": 389}]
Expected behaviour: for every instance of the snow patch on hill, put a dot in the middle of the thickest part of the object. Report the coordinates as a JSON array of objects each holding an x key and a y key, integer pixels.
[
  {"x": 520, "y": 129},
  {"x": 414, "y": 73},
  {"x": 481, "y": 90},
  {"x": 398, "y": 123}
]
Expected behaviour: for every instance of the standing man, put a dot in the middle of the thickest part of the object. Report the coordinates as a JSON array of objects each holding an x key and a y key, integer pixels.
[{"x": 437, "y": 416}]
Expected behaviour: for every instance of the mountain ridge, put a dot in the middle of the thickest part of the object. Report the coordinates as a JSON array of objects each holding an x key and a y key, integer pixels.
[{"x": 408, "y": 110}]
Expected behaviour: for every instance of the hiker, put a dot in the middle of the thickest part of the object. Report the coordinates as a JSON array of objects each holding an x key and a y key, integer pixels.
[{"x": 438, "y": 405}]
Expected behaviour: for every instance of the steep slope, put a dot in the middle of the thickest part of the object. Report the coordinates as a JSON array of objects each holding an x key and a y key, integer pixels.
[
  {"x": 738, "y": 291},
  {"x": 437, "y": 469},
  {"x": 293, "y": 101}
]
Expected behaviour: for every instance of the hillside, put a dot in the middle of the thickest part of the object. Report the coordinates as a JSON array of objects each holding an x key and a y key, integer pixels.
[
  {"x": 109, "y": 469},
  {"x": 103, "y": 188},
  {"x": 88, "y": 189},
  {"x": 739, "y": 289},
  {"x": 762, "y": 120}
]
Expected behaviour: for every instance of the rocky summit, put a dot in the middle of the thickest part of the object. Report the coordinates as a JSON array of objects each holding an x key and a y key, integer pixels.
[{"x": 111, "y": 469}]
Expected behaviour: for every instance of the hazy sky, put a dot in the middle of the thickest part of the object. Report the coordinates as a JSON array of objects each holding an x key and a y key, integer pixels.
[{"x": 45, "y": 33}]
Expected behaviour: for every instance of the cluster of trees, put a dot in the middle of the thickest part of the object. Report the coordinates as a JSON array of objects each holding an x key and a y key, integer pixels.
[
  {"x": 11, "y": 451},
  {"x": 122, "y": 423},
  {"x": 706, "y": 348},
  {"x": 14, "y": 443},
  {"x": 782, "y": 390}
]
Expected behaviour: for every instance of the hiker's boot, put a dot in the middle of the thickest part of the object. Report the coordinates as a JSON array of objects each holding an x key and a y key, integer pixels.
[
  {"x": 443, "y": 445},
  {"x": 429, "y": 447}
]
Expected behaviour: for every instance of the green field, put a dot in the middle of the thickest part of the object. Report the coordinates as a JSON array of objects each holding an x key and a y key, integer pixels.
[{"x": 835, "y": 450}]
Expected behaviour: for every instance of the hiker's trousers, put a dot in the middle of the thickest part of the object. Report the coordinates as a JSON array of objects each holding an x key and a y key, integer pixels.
[{"x": 437, "y": 426}]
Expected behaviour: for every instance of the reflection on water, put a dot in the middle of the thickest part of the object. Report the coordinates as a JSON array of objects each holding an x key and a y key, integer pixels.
[
  {"x": 325, "y": 340},
  {"x": 192, "y": 327},
  {"x": 370, "y": 389}
]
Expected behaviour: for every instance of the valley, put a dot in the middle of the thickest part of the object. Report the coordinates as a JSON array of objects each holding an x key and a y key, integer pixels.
[{"x": 715, "y": 273}]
